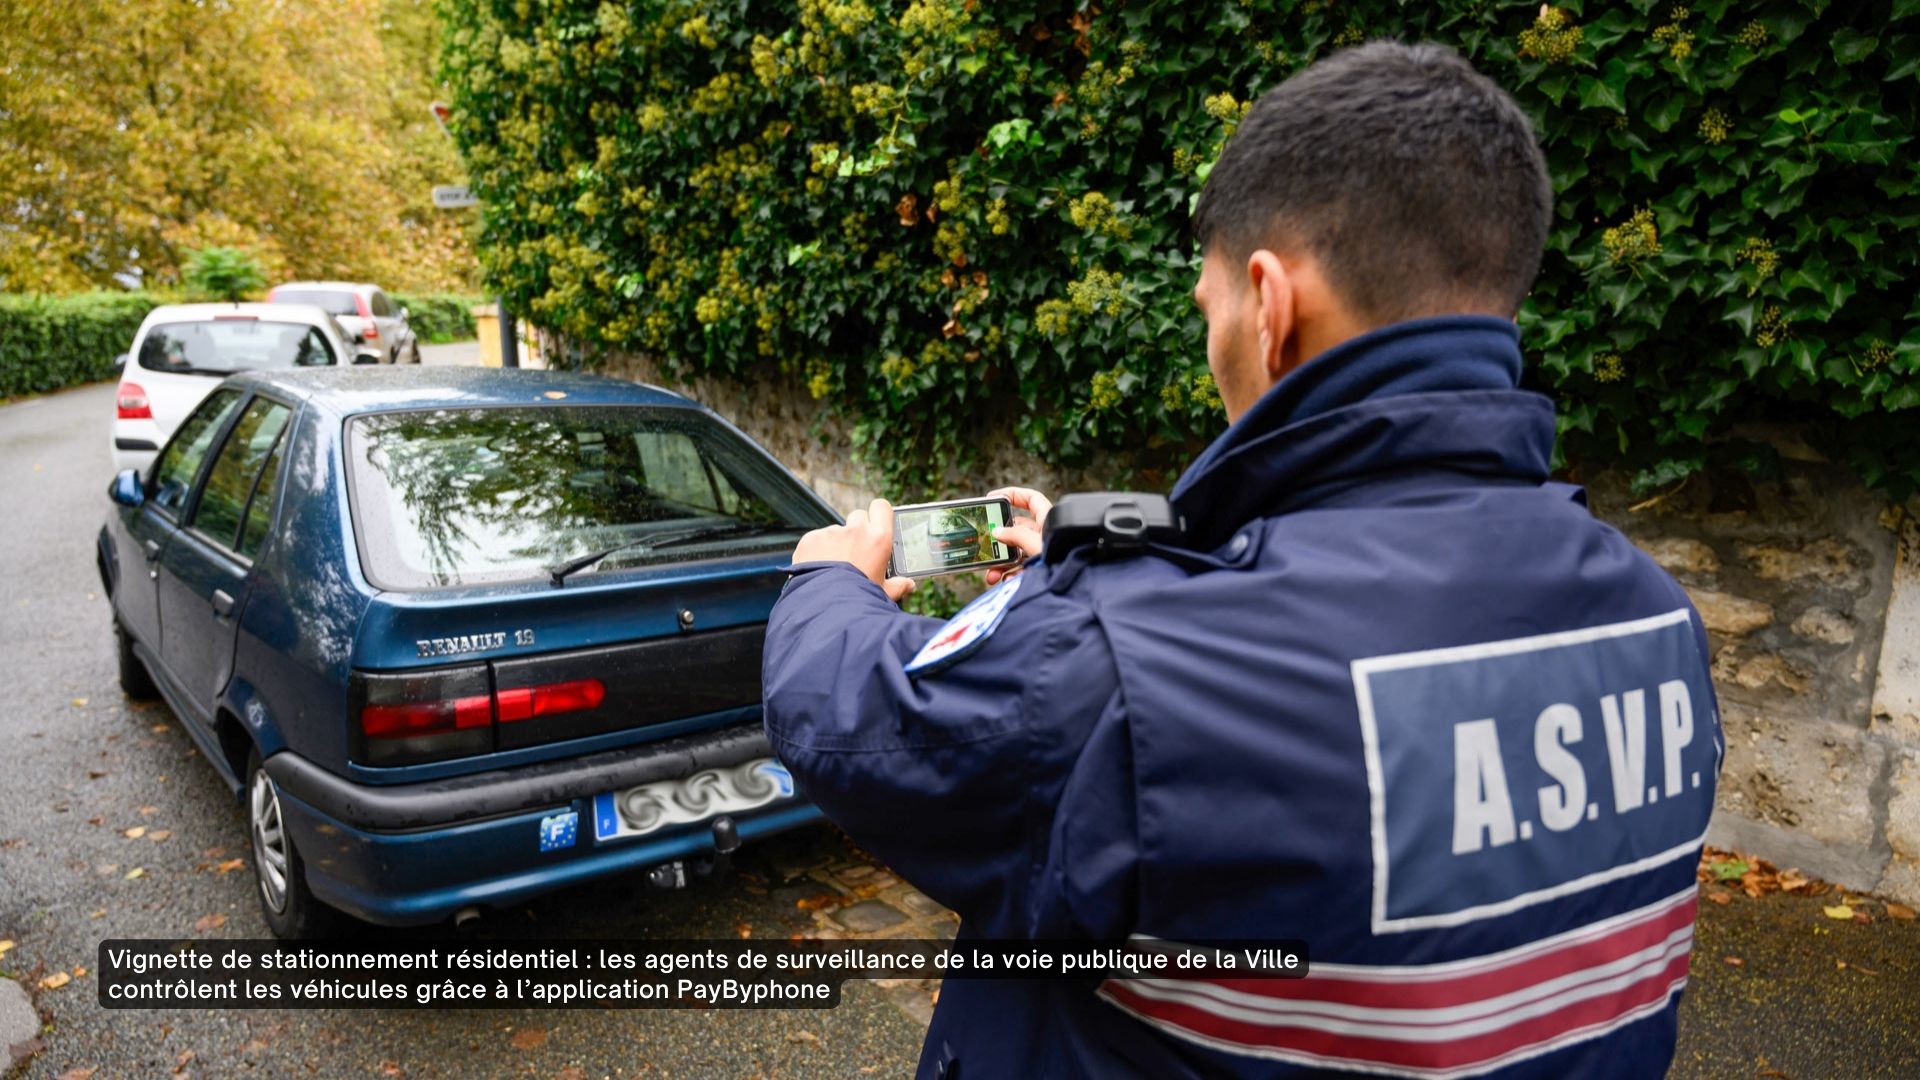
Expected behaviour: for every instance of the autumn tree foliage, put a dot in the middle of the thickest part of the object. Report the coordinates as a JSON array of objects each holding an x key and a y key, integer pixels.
[{"x": 133, "y": 132}]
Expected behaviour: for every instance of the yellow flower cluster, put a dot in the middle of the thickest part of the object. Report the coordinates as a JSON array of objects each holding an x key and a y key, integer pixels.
[
  {"x": 1715, "y": 127},
  {"x": 1675, "y": 35},
  {"x": 1351, "y": 35},
  {"x": 1609, "y": 368},
  {"x": 1879, "y": 354},
  {"x": 1754, "y": 35},
  {"x": 1100, "y": 290},
  {"x": 819, "y": 378},
  {"x": 1094, "y": 212},
  {"x": 699, "y": 31},
  {"x": 876, "y": 99},
  {"x": 1552, "y": 39},
  {"x": 718, "y": 95},
  {"x": 1632, "y": 241},
  {"x": 1773, "y": 327},
  {"x": 1766, "y": 261},
  {"x": 998, "y": 219},
  {"x": 1104, "y": 392},
  {"x": 1053, "y": 318}
]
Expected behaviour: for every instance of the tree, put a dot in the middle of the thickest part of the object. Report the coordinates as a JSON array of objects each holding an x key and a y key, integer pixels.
[{"x": 223, "y": 273}]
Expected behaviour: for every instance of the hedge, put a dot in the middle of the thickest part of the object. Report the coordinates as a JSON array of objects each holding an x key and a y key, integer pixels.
[
  {"x": 441, "y": 317},
  {"x": 930, "y": 210},
  {"x": 47, "y": 343}
]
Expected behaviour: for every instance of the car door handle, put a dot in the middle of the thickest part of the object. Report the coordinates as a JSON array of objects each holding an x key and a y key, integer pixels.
[
  {"x": 222, "y": 603},
  {"x": 152, "y": 548}
]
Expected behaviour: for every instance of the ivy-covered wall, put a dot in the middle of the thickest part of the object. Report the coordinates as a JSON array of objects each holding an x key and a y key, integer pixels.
[{"x": 927, "y": 210}]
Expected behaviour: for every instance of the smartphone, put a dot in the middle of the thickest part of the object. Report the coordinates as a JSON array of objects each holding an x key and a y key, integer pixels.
[{"x": 949, "y": 537}]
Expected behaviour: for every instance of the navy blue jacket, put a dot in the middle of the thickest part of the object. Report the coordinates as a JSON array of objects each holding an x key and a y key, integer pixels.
[{"x": 1403, "y": 699}]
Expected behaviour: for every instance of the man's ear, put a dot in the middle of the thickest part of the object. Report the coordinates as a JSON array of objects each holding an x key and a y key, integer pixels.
[{"x": 1274, "y": 291}]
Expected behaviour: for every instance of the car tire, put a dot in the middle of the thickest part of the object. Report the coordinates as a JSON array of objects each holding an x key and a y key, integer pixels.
[
  {"x": 292, "y": 912},
  {"x": 413, "y": 356},
  {"x": 135, "y": 680}
]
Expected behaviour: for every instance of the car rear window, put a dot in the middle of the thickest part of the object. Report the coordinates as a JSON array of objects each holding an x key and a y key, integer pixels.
[
  {"x": 224, "y": 346},
  {"x": 463, "y": 496},
  {"x": 331, "y": 301}
]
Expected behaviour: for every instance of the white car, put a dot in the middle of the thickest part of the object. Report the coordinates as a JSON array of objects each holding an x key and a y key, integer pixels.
[
  {"x": 183, "y": 351},
  {"x": 376, "y": 324}
]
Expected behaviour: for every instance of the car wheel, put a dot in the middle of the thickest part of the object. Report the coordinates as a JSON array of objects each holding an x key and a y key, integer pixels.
[
  {"x": 414, "y": 356},
  {"x": 292, "y": 912},
  {"x": 135, "y": 680}
]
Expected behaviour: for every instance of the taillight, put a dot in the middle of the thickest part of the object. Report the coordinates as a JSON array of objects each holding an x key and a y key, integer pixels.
[
  {"x": 528, "y": 702},
  {"x": 371, "y": 333},
  {"x": 132, "y": 403},
  {"x": 451, "y": 712}
]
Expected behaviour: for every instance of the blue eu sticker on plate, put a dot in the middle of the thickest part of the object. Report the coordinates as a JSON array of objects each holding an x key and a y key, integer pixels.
[{"x": 559, "y": 830}]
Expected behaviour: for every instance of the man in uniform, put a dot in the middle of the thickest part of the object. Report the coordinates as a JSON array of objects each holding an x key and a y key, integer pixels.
[{"x": 1397, "y": 694}]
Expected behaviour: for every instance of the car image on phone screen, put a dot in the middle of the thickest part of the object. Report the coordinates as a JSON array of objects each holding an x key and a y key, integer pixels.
[{"x": 949, "y": 537}]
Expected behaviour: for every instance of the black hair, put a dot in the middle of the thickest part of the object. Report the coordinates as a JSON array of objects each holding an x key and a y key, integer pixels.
[{"x": 1414, "y": 180}]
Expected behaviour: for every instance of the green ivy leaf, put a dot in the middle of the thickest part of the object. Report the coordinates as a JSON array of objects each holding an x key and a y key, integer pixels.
[{"x": 1850, "y": 46}]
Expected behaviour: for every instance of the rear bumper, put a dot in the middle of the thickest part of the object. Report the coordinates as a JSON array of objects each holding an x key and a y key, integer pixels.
[{"x": 404, "y": 855}]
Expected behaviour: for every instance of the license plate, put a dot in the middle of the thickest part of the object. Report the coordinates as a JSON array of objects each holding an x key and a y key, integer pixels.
[{"x": 649, "y": 808}]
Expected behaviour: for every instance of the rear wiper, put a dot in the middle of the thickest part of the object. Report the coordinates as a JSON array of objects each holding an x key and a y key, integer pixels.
[{"x": 562, "y": 571}]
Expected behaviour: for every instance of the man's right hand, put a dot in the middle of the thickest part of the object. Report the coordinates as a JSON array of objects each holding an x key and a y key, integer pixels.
[{"x": 1025, "y": 533}]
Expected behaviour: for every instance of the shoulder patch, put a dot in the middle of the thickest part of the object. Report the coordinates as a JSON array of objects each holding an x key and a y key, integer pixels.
[{"x": 967, "y": 631}]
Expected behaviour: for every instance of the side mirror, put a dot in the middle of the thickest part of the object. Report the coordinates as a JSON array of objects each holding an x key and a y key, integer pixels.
[
  {"x": 121, "y": 360},
  {"x": 405, "y": 315},
  {"x": 125, "y": 488}
]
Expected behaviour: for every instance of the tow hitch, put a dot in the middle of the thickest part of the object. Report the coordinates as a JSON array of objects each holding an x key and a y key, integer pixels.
[{"x": 673, "y": 875}]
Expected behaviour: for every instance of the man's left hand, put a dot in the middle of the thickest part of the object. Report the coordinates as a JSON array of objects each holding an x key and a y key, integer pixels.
[{"x": 866, "y": 541}]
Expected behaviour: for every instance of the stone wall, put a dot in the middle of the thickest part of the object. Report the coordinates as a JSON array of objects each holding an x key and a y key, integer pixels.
[{"x": 1809, "y": 586}]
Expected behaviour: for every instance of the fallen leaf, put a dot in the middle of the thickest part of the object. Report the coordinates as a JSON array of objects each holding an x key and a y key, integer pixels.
[
  {"x": 79, "y": 972},
  {"x": 97, "y": 819},
  {"x": 1899, "y": 911},
  {"x": 804, "y": 1037},
  {"x": 1840, "y": 911},
  {"x": 556, "y": 395},
  {"x": 6, "y": 944},
  {"x": 157, "y": 728},
  {"x": 159, "y": 835},
  {"x": 1734, "y": 961},
  {"x": 1720, "y": 897},
  {"x": 571, "y": 1072},
  {"x": 149, "y": 811},
  {"x": 231, "y": 865},
  {"x": 95, "y": 774},
  {"x": 135, "y": 833},
  {"x": 136, "y": 872},
  {"x": 55, "y": 981},
  {"x": 391, "y": 1068},
  {"x": 78, "y": 1074},
  {"x": 79, "y": 703},
  {"x": 100, "y": 914},
  {"x": 529, "y": 1038},
  {"x": 210, "y": 922}
]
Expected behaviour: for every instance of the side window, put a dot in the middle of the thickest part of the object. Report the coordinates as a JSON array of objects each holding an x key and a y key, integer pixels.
[
  {"x": 230, "y": 483},
  {"x": 253, "y": 532},
  {"x": 312, "y": 349},
  {"x": 173, "y": 473},
  {"x": 675, "y": 469},
  {"x": 381, "y": 308}
]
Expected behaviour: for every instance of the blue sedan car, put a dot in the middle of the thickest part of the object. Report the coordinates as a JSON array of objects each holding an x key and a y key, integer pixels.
[{"x": 458, "y": 637}]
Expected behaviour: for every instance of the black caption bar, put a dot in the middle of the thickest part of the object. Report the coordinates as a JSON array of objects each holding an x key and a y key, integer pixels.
[{"x": 145, "y": 973}]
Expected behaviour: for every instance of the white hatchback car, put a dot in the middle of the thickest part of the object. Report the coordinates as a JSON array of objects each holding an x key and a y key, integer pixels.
[
  {"x": 183, "y": 351},
  {"x": 371, "y": 318}
]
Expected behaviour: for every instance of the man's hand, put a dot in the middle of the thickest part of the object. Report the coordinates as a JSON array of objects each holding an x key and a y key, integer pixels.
[
  {"x": 1024, "y": 535},
  {"x": 866, "y": 541}
]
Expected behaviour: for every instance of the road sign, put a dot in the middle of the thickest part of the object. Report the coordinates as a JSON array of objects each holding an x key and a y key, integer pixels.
[{"x": 454, "y": 197}]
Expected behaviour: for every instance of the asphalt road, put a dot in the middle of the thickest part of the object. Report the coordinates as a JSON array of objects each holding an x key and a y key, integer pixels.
[{"x": 80, "y": 765}]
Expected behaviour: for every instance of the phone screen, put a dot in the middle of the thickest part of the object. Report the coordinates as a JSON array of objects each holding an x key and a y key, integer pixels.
[{"x": 948, "y": 537}]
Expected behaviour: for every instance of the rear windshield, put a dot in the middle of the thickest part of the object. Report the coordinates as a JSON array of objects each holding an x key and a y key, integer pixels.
[
  {"x": 463, "y": 496},
  {"x": 224, "y": 346},
  {"x": 331, "y": 301}
]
